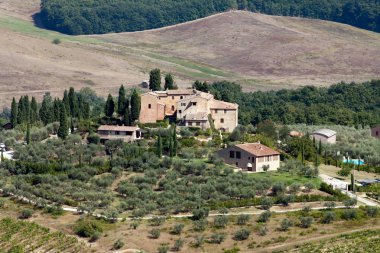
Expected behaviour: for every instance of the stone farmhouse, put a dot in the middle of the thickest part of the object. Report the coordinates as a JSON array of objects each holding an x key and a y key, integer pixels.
[
  {"x": 125, "y": 133},
  {"x": 190, "y": 107},
  {"x": 251, "y": 157}
]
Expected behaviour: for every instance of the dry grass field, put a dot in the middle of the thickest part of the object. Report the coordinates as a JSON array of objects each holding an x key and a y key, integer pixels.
[{"x": 259, "y": 51}]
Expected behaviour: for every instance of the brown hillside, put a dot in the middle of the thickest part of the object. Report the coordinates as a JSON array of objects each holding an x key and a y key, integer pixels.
[
  {"x": 294, "y": 50},
  {"x": 259, "y": 51}
]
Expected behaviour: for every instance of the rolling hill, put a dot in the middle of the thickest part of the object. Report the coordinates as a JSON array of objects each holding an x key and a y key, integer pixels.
[{"x": 259, "y": 51}]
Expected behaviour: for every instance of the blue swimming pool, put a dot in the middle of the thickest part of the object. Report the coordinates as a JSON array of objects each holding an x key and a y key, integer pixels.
[{"x": 354, "y": 161}]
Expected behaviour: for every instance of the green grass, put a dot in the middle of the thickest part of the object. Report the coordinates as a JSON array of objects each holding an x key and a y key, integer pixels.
[
  {"x": 285, "y": 177},
  {"x": 28, "y": 28}
]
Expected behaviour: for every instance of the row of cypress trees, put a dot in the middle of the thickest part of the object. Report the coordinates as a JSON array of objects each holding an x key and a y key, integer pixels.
[{"x": 126, "y": 107}]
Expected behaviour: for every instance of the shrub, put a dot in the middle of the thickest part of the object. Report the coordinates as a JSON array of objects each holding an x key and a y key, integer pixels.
[
  {"x": 198, "y": 241},
  {"x": 88, "y": 228},
  {"x": 200, "y": 225},
  {"x": 163, "y": 248},
  {"x": 56, "y": 41},
  {"x": 155, "y": 233},
  {"x": 93, "y": 138},
  {"x": 200, "y": 213},
  {"x": 306, "y": 222},
  {"x": 265, "y": 216},
  {"x": 242, "y": 234},
  {"x": 220, "y": 221},
  {"x": 54, "y": 210},
  {"x": 278, "y": 188},
  {"x": 350, "y": 214},
  {"x": 350, "y": 202},
  {"x": 217, "y": 238},
  {"x": 178, "y": 244},
  {"x": 95, "y": 236},
  {"x": 328, "y": 217},
  {"x": 371, "y": 211},
  {"x": 2, "y": 203},
  {"x": 157, "y": 221},
  {"x": 242, "y": 219},
  {"x": 294, "y": 188},
  {"x": 309, "y": 186},
  {"x": 330, "y": 205},
  {"x": 266, "y": 203},
  {"x": 26, "y": 214},
  {"x": 285, "y": 199},
  {"x": 262, "y": 230},
  {"x": 286, "y": 224},
  {"x": 135, "y": 224},
  {"x": 118, "y": 245},
  {"x": 177, "y": 228}
]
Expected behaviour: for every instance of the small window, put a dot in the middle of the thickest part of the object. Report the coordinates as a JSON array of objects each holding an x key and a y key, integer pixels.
[
  {"x": 238, "y": 154},
  {"x": 183, "y": 104},
  {"x": 172, "y": 97},
  {"x": 221, "y": 120},
  {"x": 173, "y": 108},
  {"x": 150, "y": 106},
  {"x": 225, "y": 111},
  {"x": 216, "y": 111},
  {"x": 249, "y": 158},
  {"x": 117, "y": 133},
  {"x": 180, "y": 111},
  {"x": 232, "y": 154},
  {"x": 237, "y": 164},
  {"x": 253, "y": 160},
  {"x": 190, "y": 123},
  {"x": 194, "y": 103},
  {"x": 181, "y": 97}
]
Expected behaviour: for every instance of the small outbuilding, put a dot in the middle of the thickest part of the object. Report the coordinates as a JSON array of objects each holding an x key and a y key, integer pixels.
[
  {"x": 253, "y": 157},
  {"x": 375, "y": 131},
  {"x": 125, "y": 133},
  {"x": 324, "y": 135}
]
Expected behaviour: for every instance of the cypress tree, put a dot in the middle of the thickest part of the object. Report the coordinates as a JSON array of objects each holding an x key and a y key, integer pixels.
[
  {"x": 126, "y": 117},
  {"x": 122, "y": 101},
  {"x": 320, "y": 147},
  {"x": 110, "y": 106},
  {"x": 169, "y": 82},
  {"x": 159, "y": 146},
  {"x": 155, "y": 80},
  {"x": 20, "y": 111},
  {"x": 175, "y": 141},
  {"x": 352, "y": 183},
  {"x": 66, "y": 101},
  {"x": 63, "y": 130},
  {"x": 33, "y": 111},
  {"x": 86, "y": 110},
  {"x": 135, "y": 106},
  {"x": 47, "y": 110},
  {"x": 171, "y": 153},
  {"x": 56, "y": 110},
  {"x": 27, "y": 137},
  {"x": 14, "y": 111},
  {"x": 73, "y": 101}
]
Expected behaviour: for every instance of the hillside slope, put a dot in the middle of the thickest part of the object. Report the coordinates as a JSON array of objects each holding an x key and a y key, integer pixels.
[{"x": 281, "y": 49}]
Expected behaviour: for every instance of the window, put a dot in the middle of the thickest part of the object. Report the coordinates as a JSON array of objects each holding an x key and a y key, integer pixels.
[
  {"x": 117, "y": 133},
  {"x": 190, "y": 123},
  {"x": 183, "y": 104},
  {"x": 221, "y": 120},
  {"x": 180, "y": 111},
  {"x": 237, "y": 164},
  {"x": 238, "y": 154},
  {"x": 253, "y": 160},
  {"x": 216, "y": 111},
  {"x": 249, "y": 158},
  {"x": 225, "y": 111},
  {"x": 173, "y": 108},
  {"x": 198, "y": 123},
  {"x": 181, "y": 97},
  {"x": 232, "y": 154},
  {"x": 172, "y": 97},
  {"x": 194, "y": 103},
  {"x": 149, "y": 106}
]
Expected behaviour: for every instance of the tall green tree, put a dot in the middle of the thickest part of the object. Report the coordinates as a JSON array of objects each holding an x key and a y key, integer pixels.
[
  {"x": 159, "y": 146},
  {"x": 63, "y": 130},
  {"x": 66, "y": 101},
  {"x": 73, "y": 101},
  {"x": 126, "y": 116},
  {"x": 135, "y": 106},
  {"x": 33, "y": 111},
  {"x": 169, "y": 82},
  {"x": 121, "y": 101},
  {"x": 109, "y": 107},
  {"x": 175, "y": 140},
  {"x": 46, "y": 111},
  {"x": 155, "y": 80},
  {"x": 27, "y": 137},
  {"x": 14, "y": 111}
]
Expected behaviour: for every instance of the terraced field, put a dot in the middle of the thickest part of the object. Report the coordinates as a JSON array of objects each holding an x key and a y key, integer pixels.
[{"x": 21, "y": 236}]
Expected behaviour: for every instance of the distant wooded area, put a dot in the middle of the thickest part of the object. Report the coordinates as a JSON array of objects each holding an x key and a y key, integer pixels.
[
  {"x": 348, "y": 104},
  {"x": 105, "y": 16}
]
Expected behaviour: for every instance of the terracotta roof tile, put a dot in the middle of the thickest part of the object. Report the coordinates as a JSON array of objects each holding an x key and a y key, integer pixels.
[{"x": 257, "y": 149}]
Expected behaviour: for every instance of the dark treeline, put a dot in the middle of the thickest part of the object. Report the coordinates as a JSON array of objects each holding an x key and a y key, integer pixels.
[
  {"x": 104, "y": 16},
  {"x": 341, "y": 104}
]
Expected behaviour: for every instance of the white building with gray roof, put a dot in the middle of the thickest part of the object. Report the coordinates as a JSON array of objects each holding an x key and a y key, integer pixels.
[{"x": 324, "y": 135}]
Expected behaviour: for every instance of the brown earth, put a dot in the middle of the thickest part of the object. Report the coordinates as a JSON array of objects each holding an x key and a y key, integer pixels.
[{"x": 261, "y": 52}]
